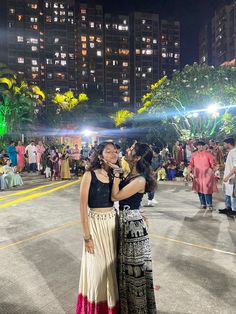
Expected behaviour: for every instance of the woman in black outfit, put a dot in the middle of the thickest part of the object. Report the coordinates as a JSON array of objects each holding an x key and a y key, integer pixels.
[{"x": 136, "y": 289}]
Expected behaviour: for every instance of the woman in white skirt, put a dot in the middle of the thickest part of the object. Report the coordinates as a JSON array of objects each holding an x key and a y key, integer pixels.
[{"x": 98, "y": 289}]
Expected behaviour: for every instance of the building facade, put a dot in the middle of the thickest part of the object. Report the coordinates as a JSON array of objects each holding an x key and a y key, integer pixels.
[
  {"x": 145, "y": 54},
  {"x": 217, "y": 41},
  {"x": 65, "y": 44},
  {"x": 117, "y": 60},
  {"x": 170, "y": 47}
]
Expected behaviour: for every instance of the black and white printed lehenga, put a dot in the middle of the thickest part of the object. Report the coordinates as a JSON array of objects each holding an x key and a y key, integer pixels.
[{"x": 135, "y": 276}]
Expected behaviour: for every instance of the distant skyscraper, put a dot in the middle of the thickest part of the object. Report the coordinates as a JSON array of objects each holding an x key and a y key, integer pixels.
[
  {"x": 170, "y": 46},
  {"x": 117, "y": 60},
  {"x": 145, "y": 56},
  {"x": 90, "y": 54},
  {"x": 219, "y": 39},
  {"x": 64, "y": 44},
  {"x": 41, "y": 42}
]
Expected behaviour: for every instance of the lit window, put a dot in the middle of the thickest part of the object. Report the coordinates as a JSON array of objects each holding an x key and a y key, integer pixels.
[
  {"x": 84, "y": 73},
  {"x": 114, "y": 62},
  {"x": 83, "y": 11},
  {"x": 34, "y": 26},
  {"x": 155, "y": 41},
  {"x": 48, "y": 19},
  {"x": 57, "y": 62},
  {"x": 125, "y": 82},
  {"x": 20, "y": 18},
  {"x": 91, "y": 38},
  {"x": 56, "y": 6},
  {"x": 63, "y": 62},
  {"x": 163, "y": 55},
  {"x": 71, "y": 56},
  {"x": 46, "y": 5},
  {"x": 56, "y": 40},
  {"x": 20, "y": 60},
  {"x": 49, "y": 61},
  {"x": 125, "y": 64},
  {"x": 107, "y": 26},
  {"x": 84, "y": 45},
  {"x": 149, "y": 70},
  {"x": 176, "y": 44},
  {"x": 124, "y": 51},
  {"x": 34, "y": 76},
  {"x": 143, "y": 74},
  {"x": 91, "y": 45},
  {"x": 115, "y": 81},
  {"x": 171, "y": 55},
  {"x": 177, "y": 55},
  {"x": 63, "y": 55},
  {"x": 55, "y": 19},
  {"x": 149, "y": 52},
  {"x": 126, "y": 99},
  {"x": 125, "y": 22},
  {"x": 56, "y": 12},
  {"x": 34, "y": 48},
  {"x": 62, "y": 13},
  {"x": 62, "y": 20},
  {"x": 62, "y": 6},
  {"x": 144, "y": 39},
  {"x": 83, "y": 38},
  {"x": 143, "y": 21},
  {"x": 84, "y": 52},
  {"x": 34, "y": 6},
  {"x": 49, "y": 76},
  {"x": 70, "y": 13},
  {"x": 20, "y": 39},
  {"x": 10, "y": 24},
  {"x": 138, "y": 51},
  {"x": 35, "y": 69},
  {"x": 12, "y": 11},
  {"x": 57, "y": 54},
  {"x": 34, "y": 19},
  {"x": 60, "y": 76},
  {"x": 122, "y": 28},
  {"x": 34, "y": 62},
  {"x": 83, "y": 18},
  {"x": 99, "y": 53},
  {"x": 98, "y": 39},
  {"x": 32, "y": 41},
  {"x": 91, "y": 24}
]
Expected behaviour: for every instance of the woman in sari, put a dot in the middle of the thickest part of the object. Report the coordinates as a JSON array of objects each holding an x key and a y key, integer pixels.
[{"x": 11, "y": 177}]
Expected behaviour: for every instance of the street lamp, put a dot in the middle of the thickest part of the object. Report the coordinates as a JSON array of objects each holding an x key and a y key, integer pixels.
[
  {"x": 213, "y": 108},
  {"x": 87, "y": 132}
]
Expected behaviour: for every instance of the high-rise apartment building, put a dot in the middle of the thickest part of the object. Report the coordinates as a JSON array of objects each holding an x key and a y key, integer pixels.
[
  {"x": 65, "y": 44},
  {"x": 117, "y": 60},
  {"x": 170, "y": 46},
  {"x": 41, "y": 42},
  {"x": 217, "y": 42},
  {"x": 90, "y": 53},
  {"x": 145, "y": 54}
]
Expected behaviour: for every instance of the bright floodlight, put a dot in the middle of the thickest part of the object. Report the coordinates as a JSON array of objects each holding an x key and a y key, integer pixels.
[
  {"x": 195, "y": 114},
  {"x": 87, "y": 132},
  {"x": 212, "y": 108}
]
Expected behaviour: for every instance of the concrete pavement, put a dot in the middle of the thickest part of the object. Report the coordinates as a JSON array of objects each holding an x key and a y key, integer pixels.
[{"x": 194, "y": 257}]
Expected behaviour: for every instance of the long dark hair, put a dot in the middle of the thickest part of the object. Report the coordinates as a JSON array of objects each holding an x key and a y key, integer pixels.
[
  {"x": 143, "y": 166},
  {"x": 96, "y": 161}
]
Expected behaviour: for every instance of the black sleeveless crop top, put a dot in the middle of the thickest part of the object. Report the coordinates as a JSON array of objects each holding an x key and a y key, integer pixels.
[
  {"x": 133, "y": 201},
  {"x": 99, "y": 193}
]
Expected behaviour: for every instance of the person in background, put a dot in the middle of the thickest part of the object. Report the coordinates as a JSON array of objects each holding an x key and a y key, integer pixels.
[
  {"x": 20, "y": 148},
  {"x": 202, "y": 165},
  {"x": 171, "y": 170},
  {"x": 161, "y": 174},
  {"x": 31, "y": 152},
  {"x": 11, "y": 176},
  {"x": 229, "y": 180},
  {"x": 55, "y": 164},
  {"x": 12, "y": 154},
  {"x": 157, "y": 162},
  {"x": 2, "y": 181},
  {"x": 189, "y": 150},
  {"x": 217, "y": 153},
  {"x": 75, "y": 152},
  {"x": 40, "y": 149},
  {"x": 65, "y": 168}
]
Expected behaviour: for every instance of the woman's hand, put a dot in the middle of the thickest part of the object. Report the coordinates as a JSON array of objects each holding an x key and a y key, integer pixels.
[{"x": 89, "y": 246}]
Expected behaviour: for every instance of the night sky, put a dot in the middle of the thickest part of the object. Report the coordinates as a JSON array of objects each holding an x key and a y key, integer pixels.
[{"x": 191, "y": 13}]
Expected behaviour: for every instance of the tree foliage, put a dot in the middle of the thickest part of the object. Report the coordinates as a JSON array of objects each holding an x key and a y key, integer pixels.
[{"x": 19, "y": 101}]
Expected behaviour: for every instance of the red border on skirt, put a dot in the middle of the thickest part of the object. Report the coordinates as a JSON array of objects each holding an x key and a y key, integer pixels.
[{"x": 86, "y": 307}]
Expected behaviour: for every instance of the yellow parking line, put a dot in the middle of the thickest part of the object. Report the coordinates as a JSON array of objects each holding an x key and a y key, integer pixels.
[
  {"x": 39, "y": 235},
  {"x": 29, "y": 197},
  {"x": 30, "y": 190}
]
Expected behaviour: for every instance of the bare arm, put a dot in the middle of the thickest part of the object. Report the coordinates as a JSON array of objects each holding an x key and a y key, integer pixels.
[
  {"x": 135, "y": 186},
  {"x": 84, "y": 192}
]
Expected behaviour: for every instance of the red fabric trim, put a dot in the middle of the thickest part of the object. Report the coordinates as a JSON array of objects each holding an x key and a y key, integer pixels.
[{"x": 84, "y": 306}]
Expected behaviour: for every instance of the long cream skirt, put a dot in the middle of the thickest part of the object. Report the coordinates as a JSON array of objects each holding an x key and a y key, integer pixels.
[{"x": 98, "y": 289}]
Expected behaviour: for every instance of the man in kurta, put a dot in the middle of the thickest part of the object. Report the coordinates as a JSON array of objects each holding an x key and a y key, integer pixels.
[
  {"x": 229, "y": 180},
  {"x": 12, "y": 154},
  {"x": 40, "y": 149},
  {"x": 217, "y": 153},
  {"x": 202, "y": 166},
  {"x": 32, "y": 154}
]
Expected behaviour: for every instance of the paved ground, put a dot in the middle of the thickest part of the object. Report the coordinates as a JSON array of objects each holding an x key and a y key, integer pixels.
[{"x": 40, "y": 251}]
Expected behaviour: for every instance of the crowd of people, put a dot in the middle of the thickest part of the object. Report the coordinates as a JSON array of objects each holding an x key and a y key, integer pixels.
[{"x": 55, "y": 162}]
